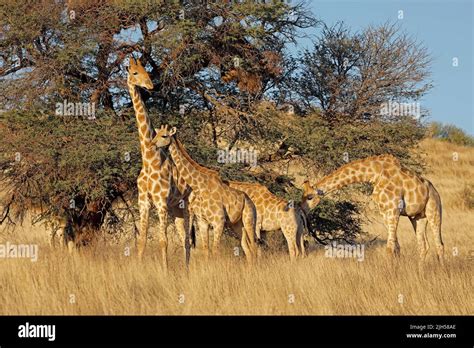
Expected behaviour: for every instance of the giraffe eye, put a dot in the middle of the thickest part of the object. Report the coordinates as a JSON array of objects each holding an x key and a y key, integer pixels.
[
  {"x": 310, "y": 197},
  {"x": 135, "y": 73}
]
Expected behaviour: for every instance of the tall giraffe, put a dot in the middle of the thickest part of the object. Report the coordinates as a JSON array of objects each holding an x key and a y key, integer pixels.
[
  {"x": 397, "y": 192},
  {"x": 158, "y": 178},
  {"x": 215, "y": 202}
]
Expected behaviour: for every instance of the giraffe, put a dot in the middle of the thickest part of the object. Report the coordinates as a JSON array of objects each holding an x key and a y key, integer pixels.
[
  {"x": 275, "y": 213},
  {"x": 397, "y": 192},
  {"x": 213, "y": 202},
  {"x": 158, "y": 180}
]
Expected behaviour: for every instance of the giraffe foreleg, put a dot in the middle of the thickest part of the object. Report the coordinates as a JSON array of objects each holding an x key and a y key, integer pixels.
[
  {"x": 391, "y": 218},
  {"x": 144, "y": 209},
  {"x": 204, "y": 236},
  {"x": 185, "y": 233},
  {"x": 218, "y": 229},
  {"x": 163, "y": 235},
  {"x": 249, "y": 234}
]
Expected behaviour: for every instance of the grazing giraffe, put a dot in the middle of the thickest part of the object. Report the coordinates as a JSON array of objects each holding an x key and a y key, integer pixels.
[
  {"x": 275, "y": 213},
  {"x": 397, "y": 192},
  {"x": 158, "y": 179},
  {"x": 215, "y": 203}
]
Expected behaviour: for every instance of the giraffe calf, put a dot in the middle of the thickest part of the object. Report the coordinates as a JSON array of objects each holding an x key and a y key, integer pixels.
[{"x": 275, "y": 213}]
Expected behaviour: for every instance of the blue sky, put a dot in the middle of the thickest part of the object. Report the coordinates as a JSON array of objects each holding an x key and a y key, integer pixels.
[{"x": 446, "y": 29}]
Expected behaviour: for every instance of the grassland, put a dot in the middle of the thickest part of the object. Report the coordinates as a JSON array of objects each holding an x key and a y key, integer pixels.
[{"x": 104, "y": 280}]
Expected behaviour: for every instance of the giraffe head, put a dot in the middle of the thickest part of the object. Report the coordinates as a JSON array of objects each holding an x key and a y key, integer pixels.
[
  {"x": 311, "y": 196},
  {"x": 137, "y": 74},
  {"x": 163, "y": 136}
]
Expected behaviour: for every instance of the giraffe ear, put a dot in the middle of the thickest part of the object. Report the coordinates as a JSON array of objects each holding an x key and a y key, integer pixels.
[{"x": 172, "y": 131}]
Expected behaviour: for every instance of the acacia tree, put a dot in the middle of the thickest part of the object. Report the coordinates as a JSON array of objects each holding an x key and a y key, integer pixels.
[
  {"x": 348, "y": 76},
  {"x": 52, "y": 51}
]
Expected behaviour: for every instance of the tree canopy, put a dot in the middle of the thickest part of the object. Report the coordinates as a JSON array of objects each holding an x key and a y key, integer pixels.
[{"x": 222, "y": 73}]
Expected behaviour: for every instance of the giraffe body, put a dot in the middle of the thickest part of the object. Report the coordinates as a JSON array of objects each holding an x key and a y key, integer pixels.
[
  {"x": 214, "y": 203},
  {"x": 397, "y": 192},
  {"x": 274, "y": 213}
]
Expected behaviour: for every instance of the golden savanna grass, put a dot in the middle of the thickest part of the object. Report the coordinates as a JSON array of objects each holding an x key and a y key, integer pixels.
[{"x": 103, "y": 280}]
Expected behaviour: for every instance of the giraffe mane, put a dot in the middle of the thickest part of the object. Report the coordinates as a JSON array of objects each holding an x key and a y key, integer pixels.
[
  {"x": 384, "y": 157},
  {"x": 196, "y": 165},
  {"x": 367, "y": 159}
]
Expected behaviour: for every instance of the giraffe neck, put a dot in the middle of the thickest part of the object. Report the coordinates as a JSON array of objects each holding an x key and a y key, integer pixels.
[
  {"x": 190, "y": 170},
  {"x": 355, "y": 172},
  {"x": 145, "y": 129},
  {"x": 193, "y": 162}
]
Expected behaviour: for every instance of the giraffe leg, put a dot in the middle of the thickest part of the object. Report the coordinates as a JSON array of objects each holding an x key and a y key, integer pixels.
[
  {"x": 203, "y": 231},
  {"x": 433, "y": 215},
  {"x": 249, "y": 236},
  {"x": 249, "y": 247},
  {"x": 291, "y": 239},
  {"x": 419, "y": 225},
  {"x": 391, "y": 218},
  {"x": 144, "y": 208},
  {"x": 163, "y": 237},
  {"x": 218, "y": 229},
  {"x": 184, "y": 233}
]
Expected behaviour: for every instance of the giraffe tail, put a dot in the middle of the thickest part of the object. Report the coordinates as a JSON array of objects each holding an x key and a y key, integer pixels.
[{"x": 193, "y": 236}]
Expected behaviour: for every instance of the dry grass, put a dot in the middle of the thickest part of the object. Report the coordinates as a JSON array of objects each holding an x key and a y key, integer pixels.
[{"x": 102, "y": 280}]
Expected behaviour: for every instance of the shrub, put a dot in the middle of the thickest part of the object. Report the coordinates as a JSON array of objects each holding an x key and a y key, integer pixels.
[{"x": 450, "y": 133}]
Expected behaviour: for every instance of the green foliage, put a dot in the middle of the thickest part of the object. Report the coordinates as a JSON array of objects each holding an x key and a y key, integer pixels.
[
  {"x": 333, "y": 220},
  {"x": 190, "y": 56},
  {"x": 68, "y": 159},
  {"x": 331, "y": 147},
  {"x": 450, "y": 133}
]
